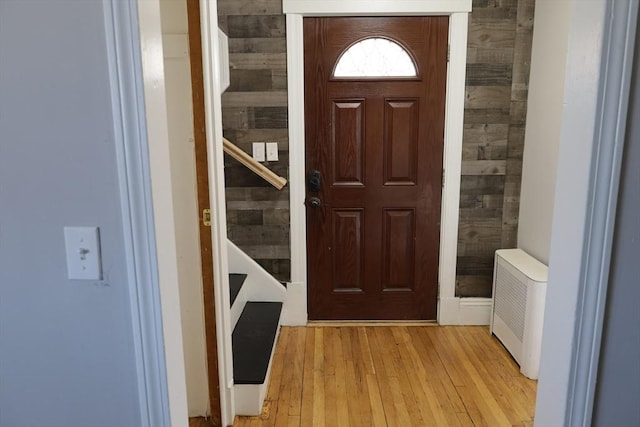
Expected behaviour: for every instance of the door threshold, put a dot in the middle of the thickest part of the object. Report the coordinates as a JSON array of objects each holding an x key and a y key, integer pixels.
[{"x": 343, "y": 323}]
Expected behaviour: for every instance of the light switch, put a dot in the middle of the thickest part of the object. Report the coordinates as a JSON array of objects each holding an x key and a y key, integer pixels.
[
  {"x": 272, "y": 151},
  {"x": 258, "y": 151},
  {"x": 83, "y": 253}
]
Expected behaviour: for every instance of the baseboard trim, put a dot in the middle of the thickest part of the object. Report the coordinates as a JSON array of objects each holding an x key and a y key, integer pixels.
[
  {"x": 294, "y": 313},
  {"x": 465, "y": 311},
  {"x": 367, "y": 323}
]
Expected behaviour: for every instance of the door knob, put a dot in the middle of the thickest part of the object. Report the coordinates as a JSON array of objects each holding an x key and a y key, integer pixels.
[{"x": 315, "y": 202}]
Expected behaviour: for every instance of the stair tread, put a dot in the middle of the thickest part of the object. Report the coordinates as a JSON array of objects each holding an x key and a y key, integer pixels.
[
  {"x": 235, "y": 283},
  {"x": 253, "y": 339}
]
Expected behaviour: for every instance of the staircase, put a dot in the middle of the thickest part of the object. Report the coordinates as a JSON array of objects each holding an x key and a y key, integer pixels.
[{"x": 256, "y": 306}]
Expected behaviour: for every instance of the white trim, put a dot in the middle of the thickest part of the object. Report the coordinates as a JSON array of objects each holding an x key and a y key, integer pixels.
[
  {"x": 600, "y": 52},
  {"x": 453, "y": 129},
  {"x": 375, "y": 7},
  {"x": 213, "y": 113},
  {"x": 466, "y": 311},
  {"x": 125, "y": 74},
  {"x": 297, "y": 161},
  {"x": 454, "y": 115},
  {"x": 475, "y": 311},
  {"x": 157, "y": 209},
  {"x": 610, "y": 128}
]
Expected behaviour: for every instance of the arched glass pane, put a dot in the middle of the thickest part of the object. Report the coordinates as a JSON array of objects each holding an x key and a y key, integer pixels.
[{"x": 375, "y": 57}]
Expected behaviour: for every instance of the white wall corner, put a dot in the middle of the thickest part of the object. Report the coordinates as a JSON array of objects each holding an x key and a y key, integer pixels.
[{"x": 543, "y": 125}]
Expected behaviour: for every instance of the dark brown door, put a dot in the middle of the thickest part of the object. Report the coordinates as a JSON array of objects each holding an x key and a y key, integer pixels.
[{"x": 376, "y": 143}]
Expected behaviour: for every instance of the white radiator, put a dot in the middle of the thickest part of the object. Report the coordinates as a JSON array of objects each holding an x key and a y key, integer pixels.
[{"x": 519, "y": 289}]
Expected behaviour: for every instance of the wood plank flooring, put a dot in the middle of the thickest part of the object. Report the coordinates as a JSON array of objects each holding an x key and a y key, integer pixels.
[
  {"x": 200, "y": 422},
  {"x": 394, "y": 376}
]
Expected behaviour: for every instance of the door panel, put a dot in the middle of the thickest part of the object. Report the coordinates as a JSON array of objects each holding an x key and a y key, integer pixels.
[
  {"x": 398, "y": 251},
  {"x": 348, "y": 122},
  {"x": 400, "y": 142},
  {"x": 373, "y": 240},
  {"x": 348, "y": 250}
]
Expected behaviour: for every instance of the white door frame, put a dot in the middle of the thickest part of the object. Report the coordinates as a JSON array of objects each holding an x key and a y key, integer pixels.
[
  {"x": 596, "y": 95},
  {"x": 593, "y": 124},
  {"x": 134, "y": 50},
  {"x": 136, "y": 69},
  {"x": 450, "y": 309},
  {"x": 215, "y": 157}
]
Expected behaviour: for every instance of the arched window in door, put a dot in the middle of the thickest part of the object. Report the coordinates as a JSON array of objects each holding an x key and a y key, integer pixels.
[{"x": 375, "y": 57}]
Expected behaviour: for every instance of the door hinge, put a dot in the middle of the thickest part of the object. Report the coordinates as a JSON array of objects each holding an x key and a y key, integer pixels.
[{"x": 206, "y": 217}]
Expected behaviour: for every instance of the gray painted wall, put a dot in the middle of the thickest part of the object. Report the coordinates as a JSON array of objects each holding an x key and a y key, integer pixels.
[
  {"x": 618, "y": 387},
  {"x": 66, "y": 346}
]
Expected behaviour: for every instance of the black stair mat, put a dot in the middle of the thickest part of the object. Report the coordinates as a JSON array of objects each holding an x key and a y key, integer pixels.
[
  {"x": 235, "y": 283},
  {"x": 253, "y": 339}
]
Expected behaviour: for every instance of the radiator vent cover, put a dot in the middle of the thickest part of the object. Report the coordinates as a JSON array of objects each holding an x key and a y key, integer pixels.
[{"x": 519, "y": 289}]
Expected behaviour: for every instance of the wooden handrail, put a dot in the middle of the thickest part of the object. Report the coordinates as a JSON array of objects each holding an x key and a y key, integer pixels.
[{"x": 256, "y": 167}]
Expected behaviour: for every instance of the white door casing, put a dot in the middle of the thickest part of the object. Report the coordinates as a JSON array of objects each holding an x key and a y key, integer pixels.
[{"x": 451, "y": 310}]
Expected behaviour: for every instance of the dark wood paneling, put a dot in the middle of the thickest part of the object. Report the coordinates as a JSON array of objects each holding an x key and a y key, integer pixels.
[
  {"x": 347, "y": 124},
  {"x": 249, "y": 7},
  {"x": 257, "y": 45},
  {"x": 492, "y": 35},
  {"x": 474, "y": 284},
  {"x": 493, "y": 14},
  {"x": 266, "y": 234},
  {"x": 250, "y": 26},
  {"x": 268, "y": 118},
  {"x": 254, "y": 109},
  {"x": 250, "y": 80},
  {"x": 500, "y": 34},
  {"x": 249, "y": 217},
  {"x": 398, "y": 251},
  {"x": 486, "y": 115},
  {"x": 482, "y": 185},
  {"x": 489, "y": 74},
  {"x": 347, "y": 250},
  {"x": 400, "y": 141}
]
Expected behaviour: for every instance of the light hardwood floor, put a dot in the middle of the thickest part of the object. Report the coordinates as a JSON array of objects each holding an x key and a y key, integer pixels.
[
  {"x": 394, "y": 376},
  {"x": 199, "y": 422}
]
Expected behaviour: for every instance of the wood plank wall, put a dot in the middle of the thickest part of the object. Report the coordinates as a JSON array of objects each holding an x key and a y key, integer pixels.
[
  {"x": 254, "y": 109},
  {"x": 498, "y": 56}
]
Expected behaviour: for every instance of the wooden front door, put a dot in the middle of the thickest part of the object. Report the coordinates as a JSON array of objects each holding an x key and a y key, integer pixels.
[{"x": 374, "y": 165}]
